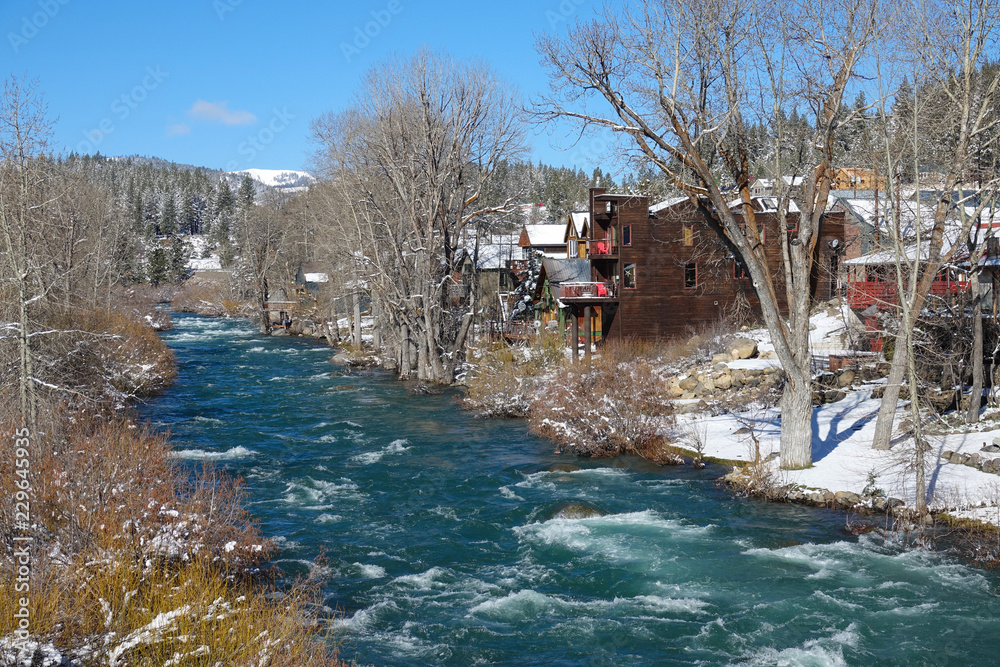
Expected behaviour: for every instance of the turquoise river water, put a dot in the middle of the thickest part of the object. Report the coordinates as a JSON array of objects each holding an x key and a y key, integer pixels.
[{"x": 440, "y": 546}]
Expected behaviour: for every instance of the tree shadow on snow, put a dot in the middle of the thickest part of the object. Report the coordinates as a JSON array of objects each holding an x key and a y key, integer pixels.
[{"x": 841, "y": 428}]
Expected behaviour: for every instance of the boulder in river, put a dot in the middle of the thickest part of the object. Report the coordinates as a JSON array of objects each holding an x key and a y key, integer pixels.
[
  {"x": 576, "y": 511},
  {"x": 563, "y": 467}
]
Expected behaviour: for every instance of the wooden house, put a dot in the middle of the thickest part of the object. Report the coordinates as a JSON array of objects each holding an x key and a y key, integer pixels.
[
  {"x": 577, "y": 233},
  {"x": 872, "y": 284},
  {"x": 660, "y": 271},
  {"x": 856, "y": 178},
  {"x": 550, "y": 240},
  {"x": 492, "y": 258}
]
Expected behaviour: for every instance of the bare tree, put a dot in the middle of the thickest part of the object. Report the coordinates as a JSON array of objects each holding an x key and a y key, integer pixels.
[
  {"x": 685, "y": 81},
  {"x": 949, "y": 45},
  {"x": 260, "y": 236},
  {"x": 408, "y": 163},
  {"x": 24, "y": 132}
]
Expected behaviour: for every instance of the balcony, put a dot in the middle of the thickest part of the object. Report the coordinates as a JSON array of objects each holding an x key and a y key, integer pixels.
[
  {"x": 598, "y": 291},
  {"x": 602, "y": 248}
]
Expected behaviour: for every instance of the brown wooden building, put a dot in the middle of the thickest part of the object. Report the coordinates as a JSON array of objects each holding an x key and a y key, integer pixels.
[{"x": 662, "y": 272}]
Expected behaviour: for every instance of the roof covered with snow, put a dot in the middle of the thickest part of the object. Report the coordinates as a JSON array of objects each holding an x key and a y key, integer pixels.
[
  {"x": 666, "y": 203},
  {"x": 495, "y": 252},
  {"x": 579, "y": 220},
  {"x": 545, "y": 235}
]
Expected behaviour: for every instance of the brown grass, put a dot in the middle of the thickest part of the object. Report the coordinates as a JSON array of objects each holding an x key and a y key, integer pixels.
[{"x": 127, "y": 541}]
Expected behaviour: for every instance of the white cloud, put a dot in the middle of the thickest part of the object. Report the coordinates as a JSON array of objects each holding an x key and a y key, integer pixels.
[
  {"x": 178, "y": 130},
  {"x": 220, "y": 112}
]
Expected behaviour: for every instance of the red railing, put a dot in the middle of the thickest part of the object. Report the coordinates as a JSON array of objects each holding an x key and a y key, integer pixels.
[
  {"x": 863, "y": 294},
  {"x": 948, "y": 287},
  {"x": 587, "y": 291},
  {"x": 601, "y": 247}
]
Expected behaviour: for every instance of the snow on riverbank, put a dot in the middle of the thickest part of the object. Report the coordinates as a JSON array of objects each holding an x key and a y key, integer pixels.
[{"x": 843, "y": 459}]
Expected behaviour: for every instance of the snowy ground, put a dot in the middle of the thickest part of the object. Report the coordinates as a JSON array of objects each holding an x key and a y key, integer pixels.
[
  {"x": 843, "y": 459},
  {"x": 196, "y": 248}
]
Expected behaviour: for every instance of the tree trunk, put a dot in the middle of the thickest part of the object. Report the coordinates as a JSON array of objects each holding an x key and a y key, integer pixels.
[
  {"x": 976, "y": 395},
  {"x": 796, "y": 422},
  {"x": 29, "y": 402},
  {"x": 919, "y": 446},
  {"x": 404, "y": 352},
  {"x": 357, "y": 319},
  {"x": 887, "y": 412},
  {"x": 265, "y": 317}
]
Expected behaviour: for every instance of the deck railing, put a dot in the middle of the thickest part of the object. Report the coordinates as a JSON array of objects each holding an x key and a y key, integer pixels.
[
  {"x": 595, "y": 290},
  {"x": 516, "y": 330},
  {"x": 864, "y": 294},
  {"x": 601, "y": 247}
]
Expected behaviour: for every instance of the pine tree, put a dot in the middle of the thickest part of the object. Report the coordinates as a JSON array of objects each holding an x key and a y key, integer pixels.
[
  {"x": 178, "y": 256},
  {"x": 168, "y": 217},
  {"x": 247, "y": 192},
  {"x": 159, "y": 265},
  {"x": 225, "y": 201},
  {"x": 189, "y": 216}
]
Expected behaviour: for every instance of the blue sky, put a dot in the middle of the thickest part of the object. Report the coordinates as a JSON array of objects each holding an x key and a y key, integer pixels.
[{"x": 234, "y": 83}]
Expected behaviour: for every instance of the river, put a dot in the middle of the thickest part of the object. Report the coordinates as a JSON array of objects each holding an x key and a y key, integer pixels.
[{"x": 438, "y": 545}]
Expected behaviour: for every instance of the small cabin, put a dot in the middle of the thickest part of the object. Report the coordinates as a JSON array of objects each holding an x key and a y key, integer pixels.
[
  {"x": 281, "y": 310},
  {"x": 313, "y": 276}
]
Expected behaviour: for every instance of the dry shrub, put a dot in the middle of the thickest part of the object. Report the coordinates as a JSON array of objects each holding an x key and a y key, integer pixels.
[
  {"x": 503, "y": 379},
  {"x": 118, "y": 613},
  {"x": 133, "y": 553},
  {"x": 760, "y": 477},
  {"x": 205, "y": 298},
  {"x": 620, "y": 406},
  {"x": 105, "y": 356},
  {"x": 141, "y": 303},
  {"x": 113, "y": 488}
]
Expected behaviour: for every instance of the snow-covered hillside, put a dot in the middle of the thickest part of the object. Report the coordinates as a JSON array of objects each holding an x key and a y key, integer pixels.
[{"x": 284, "y": 180}]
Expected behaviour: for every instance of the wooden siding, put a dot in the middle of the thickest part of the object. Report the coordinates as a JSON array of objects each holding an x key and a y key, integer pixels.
[{"x": 660, "y": 306}]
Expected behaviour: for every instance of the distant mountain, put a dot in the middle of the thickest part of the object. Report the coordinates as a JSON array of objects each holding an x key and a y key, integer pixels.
[{"x": 281, "y": 180}]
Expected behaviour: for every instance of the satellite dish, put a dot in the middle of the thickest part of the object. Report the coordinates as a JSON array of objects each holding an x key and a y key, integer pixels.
[{"x": 835, "y": 243}]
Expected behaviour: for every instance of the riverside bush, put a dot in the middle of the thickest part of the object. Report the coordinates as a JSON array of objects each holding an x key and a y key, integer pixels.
[
  {"x": 503, "y": 379},
  {"x": 139, "y": 560},
  {"x": 619, "y": 406}
]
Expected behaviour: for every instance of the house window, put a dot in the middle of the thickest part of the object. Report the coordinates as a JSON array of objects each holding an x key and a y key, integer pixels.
[
  {"x": 572, "y": 248},
  {"x": 629, "y": 278},
  {"x": 760, "y": 231},
  {"x": 739, "y": 272},
  {"x": 688, "y": 235},
  {"x": 691, "y": 275},
  {"x": 627, "y": 235}
]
